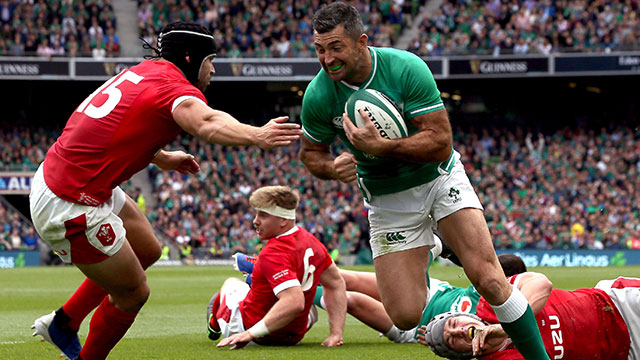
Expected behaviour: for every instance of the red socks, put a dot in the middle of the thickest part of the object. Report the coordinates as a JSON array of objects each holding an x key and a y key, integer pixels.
[
  {"x": 82, "y": 302},
  {"x": 108, "y": 326},
  {"x": 213, "y": 322}
]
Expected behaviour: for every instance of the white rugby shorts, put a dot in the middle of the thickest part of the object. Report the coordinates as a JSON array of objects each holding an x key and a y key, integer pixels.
[
  {"x": 625, "y": 294},
  {"x": 78, "y": 234},
  {"x": 404, "y": 220},
  {"x": 231, "y": 294}
]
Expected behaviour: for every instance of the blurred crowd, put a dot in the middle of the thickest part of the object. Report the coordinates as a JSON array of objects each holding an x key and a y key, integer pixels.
[
  {"x": 58, "y": 28},
  {"x": 23, "y": 148},
  {"x": 15, "y": 232},
  {"x": 265, "y": 28},
  {"x": 211, "y": 210},
  {"x": 503, "y": 27},
  {"x": 570, "y": 189}
]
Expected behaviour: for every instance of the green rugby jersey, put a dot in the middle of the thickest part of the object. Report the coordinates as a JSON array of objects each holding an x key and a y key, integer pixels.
[
  {"x": 444, "y": 298},
  {"x": 407, "y": 80}
]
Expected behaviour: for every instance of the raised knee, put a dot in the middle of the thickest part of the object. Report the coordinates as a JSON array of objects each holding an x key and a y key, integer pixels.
[
  {"x": 493, "y": 289},
  {"x": 406, "y": 321},
  {"x": 352, "y": 302}
]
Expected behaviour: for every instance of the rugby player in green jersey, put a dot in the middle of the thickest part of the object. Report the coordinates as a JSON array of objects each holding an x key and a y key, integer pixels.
[{"x": 410, "y": 184}]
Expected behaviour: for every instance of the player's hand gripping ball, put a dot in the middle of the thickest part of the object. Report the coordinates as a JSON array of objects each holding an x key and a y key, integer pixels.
[{"x": 382, "y": 112}]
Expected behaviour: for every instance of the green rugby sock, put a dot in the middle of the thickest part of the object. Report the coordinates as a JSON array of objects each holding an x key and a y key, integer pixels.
[
  {"x": 317, "y": 300},
  {"x": 517, "y": 320},
  {"x": 525, "y": 335}
]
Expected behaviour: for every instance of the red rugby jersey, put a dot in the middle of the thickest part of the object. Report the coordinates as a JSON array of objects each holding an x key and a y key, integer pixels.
[
  {"x": 116, "y": 132},
  {"x": 579, "y": 324},
  {"x": 294, "y": 259}
]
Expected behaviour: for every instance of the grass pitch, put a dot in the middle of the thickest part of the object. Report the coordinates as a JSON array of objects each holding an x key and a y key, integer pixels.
[{"x": 172, "y": 323}]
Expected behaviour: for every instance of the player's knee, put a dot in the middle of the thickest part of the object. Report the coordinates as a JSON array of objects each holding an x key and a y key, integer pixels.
[
  {"x": 495, "y": 290},
  {"x": 151, "y": 254},
  {"x": 353, "y": 302},
  {"x": 406, "y": 320},
  {"x": 132, "y": 296}
]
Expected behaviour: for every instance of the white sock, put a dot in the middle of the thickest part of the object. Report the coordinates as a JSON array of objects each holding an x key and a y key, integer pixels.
[
  {"x": 512, "y": 309},
  {"x": 400, "y": 336},
  {"x": 393, "y": 333}
]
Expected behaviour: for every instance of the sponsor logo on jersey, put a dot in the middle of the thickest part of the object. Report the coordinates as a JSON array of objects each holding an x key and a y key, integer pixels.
[
  {"x": 454, "y": 194},
  {"x": 88, "y": 200},
  {"x": 337, "y": 122},
  {"x": 395, "y": 237},
  {"x": 556, "y": 337},
  {"x": 463, "y": 304},
  {"x": 280, "y": 274},
  {"x": 106, "y": 235}
]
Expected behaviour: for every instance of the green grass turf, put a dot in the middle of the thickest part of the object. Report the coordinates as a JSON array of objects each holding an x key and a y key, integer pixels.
[{"x": 172, "y": 323}]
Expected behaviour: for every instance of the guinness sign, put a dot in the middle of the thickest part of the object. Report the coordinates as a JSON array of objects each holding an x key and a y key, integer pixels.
[
  {"x": 28, "y": 68},
  {"x": 498, "y": 66},
  {"x": 261, "y": 69}
]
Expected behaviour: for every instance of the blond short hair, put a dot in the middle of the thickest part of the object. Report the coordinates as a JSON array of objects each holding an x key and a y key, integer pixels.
[{"x": 270, "y": 196}]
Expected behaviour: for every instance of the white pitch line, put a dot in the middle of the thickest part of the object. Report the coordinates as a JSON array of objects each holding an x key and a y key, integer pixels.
[{"x": 11, "y": 342}]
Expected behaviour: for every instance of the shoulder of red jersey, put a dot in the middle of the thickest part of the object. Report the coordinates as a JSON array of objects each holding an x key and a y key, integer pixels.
[{"x": 169, "y": 82}]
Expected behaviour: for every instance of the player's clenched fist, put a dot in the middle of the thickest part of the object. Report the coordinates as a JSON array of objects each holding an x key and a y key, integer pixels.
[{"x": 345, "y": 167}]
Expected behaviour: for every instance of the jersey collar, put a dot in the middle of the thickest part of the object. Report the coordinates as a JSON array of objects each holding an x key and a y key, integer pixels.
[
  {"x": 289, "y": 232},
  {"x": 374, "y": 67}
]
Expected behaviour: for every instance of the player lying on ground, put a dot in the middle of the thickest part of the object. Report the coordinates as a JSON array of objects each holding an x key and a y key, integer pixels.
[
  {"x": 596, "y": 323},
  {"x": 363, "y": 297},
  {"x": 278, "y": 307}
]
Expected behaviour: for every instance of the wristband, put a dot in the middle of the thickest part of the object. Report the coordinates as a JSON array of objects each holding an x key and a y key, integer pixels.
[{"x": 259, "y": 329}]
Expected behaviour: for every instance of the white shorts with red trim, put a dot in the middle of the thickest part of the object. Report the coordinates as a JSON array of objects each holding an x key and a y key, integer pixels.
[
  {"x": 625, "y": 293},
  {"x": 228, "y": 315},
  {"x": 79, "y": 234}
]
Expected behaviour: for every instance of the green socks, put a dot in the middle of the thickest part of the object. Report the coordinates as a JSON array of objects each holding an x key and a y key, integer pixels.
[
  {"x": 517, "y": 320},
  {"x": 525, "y": 335}
]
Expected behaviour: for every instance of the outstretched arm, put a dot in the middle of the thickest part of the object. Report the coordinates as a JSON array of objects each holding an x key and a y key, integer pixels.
[
  {"x": 335, "y": 297},
  {"x": 218, "y": 127}
]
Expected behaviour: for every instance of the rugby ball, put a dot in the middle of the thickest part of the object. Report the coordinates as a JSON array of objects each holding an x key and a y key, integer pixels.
[{"x": 382, "y": 112}]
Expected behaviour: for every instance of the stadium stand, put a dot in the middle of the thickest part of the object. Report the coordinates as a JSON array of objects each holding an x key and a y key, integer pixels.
[
  {"x": 16, "y": 233},
  {"x": 535, "y": 197},
  {"x": 254, "y": 28},
  {"x": 58, "y": 28},
  {"x": 567, "y": 190},
  {"x": 502, "y": 27},
  {"x": 251, "y": 28}
]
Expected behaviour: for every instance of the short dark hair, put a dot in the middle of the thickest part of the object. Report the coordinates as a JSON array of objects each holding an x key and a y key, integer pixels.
[
  {"x": 339, "y": 13},
  {"x": 512, "y": 264}
]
